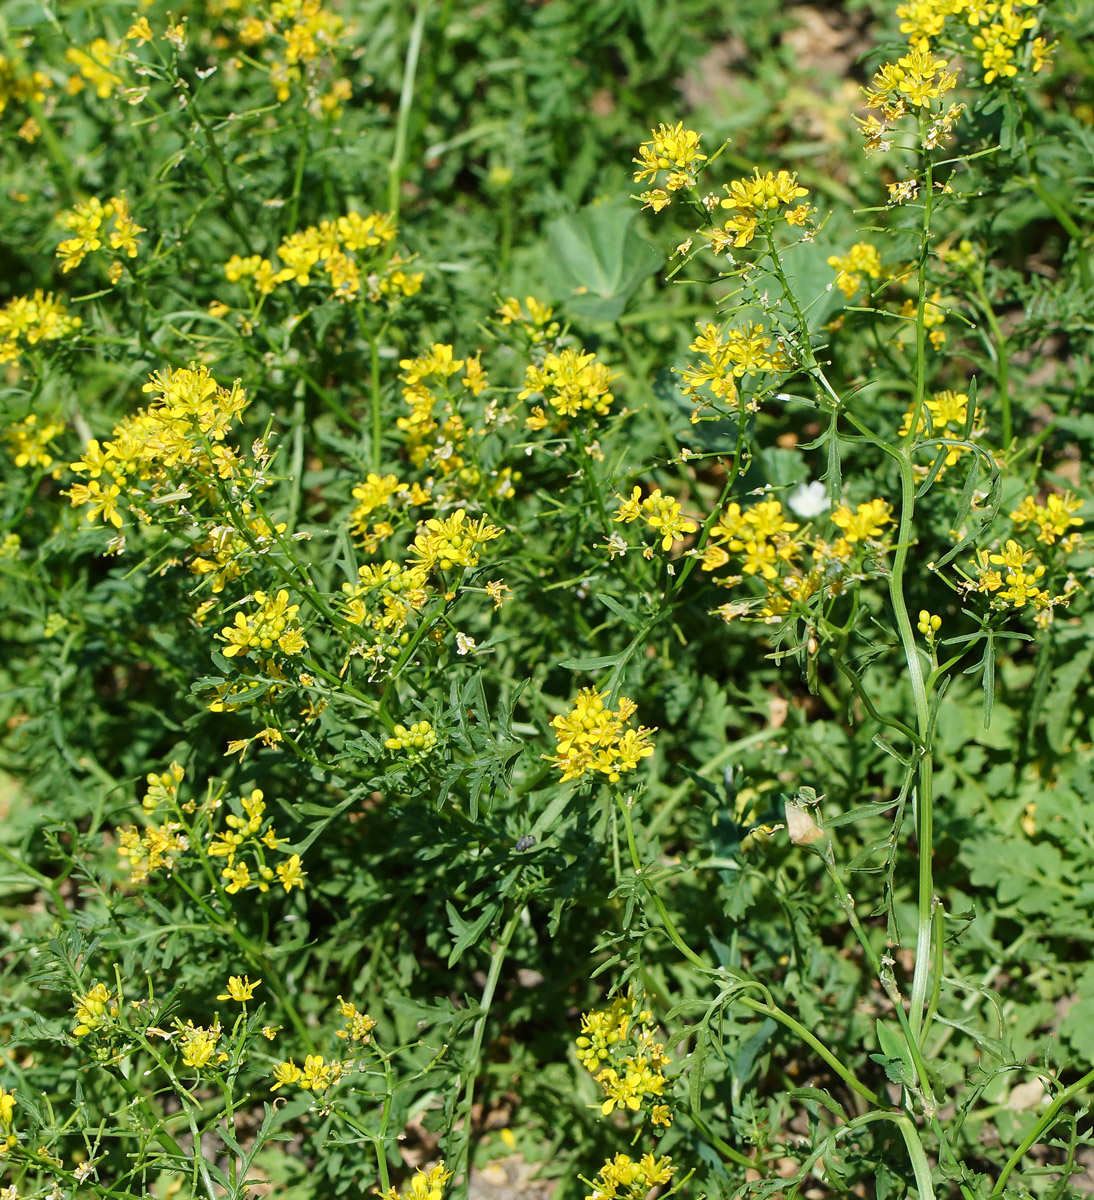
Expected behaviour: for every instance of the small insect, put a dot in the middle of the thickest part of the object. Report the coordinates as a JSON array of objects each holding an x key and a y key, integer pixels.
[{"x": 525, "y": 843}]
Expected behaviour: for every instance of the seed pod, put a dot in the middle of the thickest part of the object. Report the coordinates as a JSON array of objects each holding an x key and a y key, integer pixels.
[{"x": 800, "y": 825}]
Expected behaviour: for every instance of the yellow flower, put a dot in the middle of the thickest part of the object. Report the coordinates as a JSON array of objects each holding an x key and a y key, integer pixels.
[
  {"x": 290, "y": 875},
  {"x": 624, "y": 1178},
  {"x": 95, "y": 1011},
  {"x": 198, "y": 1044},
  {"x": 140, "y": 31},
  {"x": 29, "y": 441},
  {"x": 868, "y": 521},
  {"x": 671, "y": 148},
  {"x": 239, "y": 989},
  {"x": 285, "y": 1074},
  {"x": 861, "y": 259},
  {"x": 273, "y": 624},
  {"x": 495, "y": 589},
  {"x": 592, "y": 738},
  {"x": 425, "y": 1185},
  {"x": 571, "y": 382}
]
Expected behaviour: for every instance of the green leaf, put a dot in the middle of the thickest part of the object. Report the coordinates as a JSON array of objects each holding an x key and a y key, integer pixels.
[
  {"x": 467, "y": 933},
  {"x": 895, "y": 1056},
  {"x": 596, "y": 260},
  {"x": 593, "y": 663}
]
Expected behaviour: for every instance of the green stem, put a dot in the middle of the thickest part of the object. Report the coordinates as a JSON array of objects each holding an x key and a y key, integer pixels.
[
  {"x": 258, "y": 958},
  {"x": 921, "y": 1168},
  {"x": 843, "y": 898},
  {"x": 999, "y": 352},
  {"x": 769, "y": 1009},
  {"x": 376, "y": 398},
  {"x": 406, "y": 99},
  {"x": 230, "y": 195},
  {"x": 1048, "y": 1117},
  {"x": 301, "y": 164},
  {"x": 474, "y": 1063},
  {"x": 924, "y": 797}
]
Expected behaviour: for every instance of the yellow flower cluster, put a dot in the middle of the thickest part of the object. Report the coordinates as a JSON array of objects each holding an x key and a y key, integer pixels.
[
  {"x": 944, "y": 416},
  {"x": 415, "y": 741},
  {"x": 18, "y": 88},
  {"x": 755, "y": 199},
  {"x": 296, "y": 33},
  {"x": 33, "y": 319},
  {"x": 184, "y": 428},
  {"x": 250, "y": 832},
  {"x": 625, "y": 1178},
  {"x": 198, "y": 1044},
  {"x": 357, "y": 1026},
  {"x": 866, "y": 522},
  {"x": 862, "y": 259},
  {"x": 445, "y": 543},
  {"x": 85, "y": 222},
  {"x": 1053, "y": 520},
  {"x": 93, "y": 67},
  {"x": 671, "y": 148},
  {"x": 8, "y": 1136},
  {"x": 534, "y": 318},
  {"x": 762, "y": 534},
  {"x": 435, "y": 432},
  {"x": 385, "y": 596},
  {"x": 997, "y": 42},
  {"x": 791, "y": 568},
  {"x": 29, "y": 442},
  {"x": 593, "y": 739},
  {"x": 317, "y": 1075},
  {"x": 661, "y": 513},
  {"x": 224, "y": 551},
  {"x": 96, "y": 1010},
  {"x": 153, "y": 849},
  {"x": 728, "y": 355},
  {"x": 934, "y": 317},
  {"x": 156, "y": 847},
  {"x": 997, "y": 29},
  {"x": 1012, "y": 578},
  {"x": 618, "y": 1046},
  {"x": 374, "y": 494},
  {"x": 273, "y": 623},
  {"x": 929, "y": 625},
  {"x": 350, "y": 252},
  {"x": 571, "y": 382},
  {"x": 424, "y": 1185},
  {"x": 912, "y": 82}
]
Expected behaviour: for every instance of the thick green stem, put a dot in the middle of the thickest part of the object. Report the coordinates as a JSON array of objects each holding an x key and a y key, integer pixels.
[
  {"x": 463, "y": 1158},
  {"x": 921, "y": 1168},
  {"x": 406, "y": 100}
]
